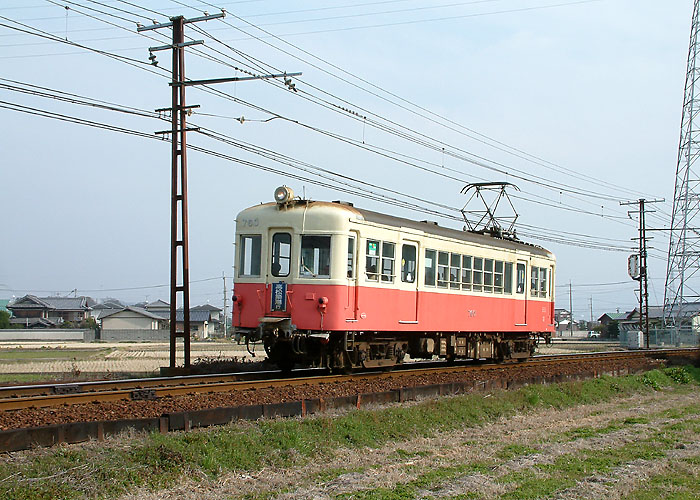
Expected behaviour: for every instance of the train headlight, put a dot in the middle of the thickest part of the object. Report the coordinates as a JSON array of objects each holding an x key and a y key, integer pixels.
[{"x": 283, "y": 194}]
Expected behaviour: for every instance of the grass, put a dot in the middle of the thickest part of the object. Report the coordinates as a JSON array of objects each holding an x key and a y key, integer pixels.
[
  {"x": 16, "y": 355},
  {"x": 157, "y": 461}
]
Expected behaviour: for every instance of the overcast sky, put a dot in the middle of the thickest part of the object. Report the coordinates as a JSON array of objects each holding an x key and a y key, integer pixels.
[{"x": 577, "y": 103}]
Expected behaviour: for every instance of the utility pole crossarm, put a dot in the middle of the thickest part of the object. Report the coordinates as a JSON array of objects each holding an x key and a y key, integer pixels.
[
  {"x": 190, "y": 83},
  {"x": 156, "y": 26}
]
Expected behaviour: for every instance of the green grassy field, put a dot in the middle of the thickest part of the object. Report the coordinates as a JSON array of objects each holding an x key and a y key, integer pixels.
[{"x": 619, "y": 432}]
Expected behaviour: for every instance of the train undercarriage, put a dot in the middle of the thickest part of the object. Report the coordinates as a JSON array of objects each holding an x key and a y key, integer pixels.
[{"x": 345, "y": 351}]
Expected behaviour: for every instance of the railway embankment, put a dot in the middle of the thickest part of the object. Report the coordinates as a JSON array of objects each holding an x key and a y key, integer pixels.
[{"x": 608, "y": 437}]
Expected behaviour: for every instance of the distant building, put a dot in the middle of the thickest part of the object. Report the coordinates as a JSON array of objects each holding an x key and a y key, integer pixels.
[
  {"x": 106, "y": 307},
  {"x": 562, "y": 319},
  {"x": 132, "y": 318},
  {"x": 159, "y": 307},
  {"x": 608, "y": 318},
  {"x": 55, "y": 309},
  {"x": 214, "y": 312},
  {"x": 203, "y": 320}
]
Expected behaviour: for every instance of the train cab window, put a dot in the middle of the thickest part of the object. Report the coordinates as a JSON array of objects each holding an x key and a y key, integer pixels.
[
  {"x": 534, "y": 281},
  {"x": 408, "y": 264},
  {"x": 351, "y": 257},
  {"x": 508, "y": 278},
  {"x": 466, "y": 272},
  {"x": 388, "y": 252},
  {"x": 488, "y": 275},
  {"x": 498, "y": 276},
  {"x": 543, "y": 281},
  {"x": 249, "y": 260},
  {"x": 281, "y": 254},
  {"x": 443, "y": 269},
  {"x": 478, "y": 274},
  {"x": 520, "y": 288},
  {"x": 430, "y": 265},
  {"x": 315, "y": 257},
  {"x": 455, "y": 264},
  {"x": 372, "y": 261}
]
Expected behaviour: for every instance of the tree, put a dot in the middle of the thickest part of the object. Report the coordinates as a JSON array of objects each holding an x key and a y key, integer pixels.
[
  {"x": 613, "y": 330},
  {"x": 4, "y": 320}
]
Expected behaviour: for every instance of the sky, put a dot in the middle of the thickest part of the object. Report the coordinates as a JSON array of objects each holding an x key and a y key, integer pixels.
[{"x": 577, "y": 103}]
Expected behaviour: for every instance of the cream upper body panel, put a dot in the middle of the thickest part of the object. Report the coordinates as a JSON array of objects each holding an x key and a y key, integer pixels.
[{"x": 340, "y": 221}]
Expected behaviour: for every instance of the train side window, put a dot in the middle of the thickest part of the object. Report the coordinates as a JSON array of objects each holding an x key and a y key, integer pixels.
[
  {"x": 508, "y": 278},
  {"x": 408, "y": 264},
  {"x": 466, "y": 272},
  {"x": 488, "y": 275},
  {"x": 498, "y": 276},
  {"x": 543, "y": 281},
  {"x": 281, "y": 254},
  {"x": 315, "y": 256},
  {"x": 372, "y": 260},
  {"x": 478, "y": 274},
  {"x": 455, "y": 264},
  {"x": 534, "y": 281},
  {"x": 388, "y": 252},
  {"x": 443, "y": 269},
  {"x": 351, "y": 257},
  {"x": 520, "y": 288},
  {"x": 249, "y": 260},
  {"x": 430, "y": 267}
]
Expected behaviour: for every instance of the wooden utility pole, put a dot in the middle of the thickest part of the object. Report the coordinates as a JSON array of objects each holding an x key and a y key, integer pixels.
[
  {"x": 179, "y": 231},
  {"x": 643, "y": 277}
]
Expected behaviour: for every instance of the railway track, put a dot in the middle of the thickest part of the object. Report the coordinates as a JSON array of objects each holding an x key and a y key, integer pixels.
[{"x": 55, "y": 395}]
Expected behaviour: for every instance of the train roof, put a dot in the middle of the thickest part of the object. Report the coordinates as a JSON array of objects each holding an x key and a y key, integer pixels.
[
  {"x": 427, "y": 227},
  {"x": 470, "y": 236}
]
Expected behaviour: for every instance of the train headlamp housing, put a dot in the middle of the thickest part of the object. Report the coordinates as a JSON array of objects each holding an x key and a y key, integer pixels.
[{"x": 283, "y": 195}]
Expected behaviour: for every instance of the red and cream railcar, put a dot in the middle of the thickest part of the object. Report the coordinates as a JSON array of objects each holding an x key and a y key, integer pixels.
[{"x": 328, "y": 284}]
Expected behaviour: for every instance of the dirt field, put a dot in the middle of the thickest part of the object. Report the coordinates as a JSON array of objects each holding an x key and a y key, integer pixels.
[
  {"x": 105, "y": 358},
  {"x": 146, "y": 358}
]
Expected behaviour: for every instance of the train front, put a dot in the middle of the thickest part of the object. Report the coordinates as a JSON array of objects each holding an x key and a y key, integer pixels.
[{"x": 291, "y": 277}]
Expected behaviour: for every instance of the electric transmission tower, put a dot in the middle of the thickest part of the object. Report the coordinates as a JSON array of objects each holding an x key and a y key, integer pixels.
[{"x": 682, "y": 280}]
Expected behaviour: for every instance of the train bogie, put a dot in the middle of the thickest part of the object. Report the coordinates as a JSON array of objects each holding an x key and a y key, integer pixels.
[{"x": 327, "y": 284}]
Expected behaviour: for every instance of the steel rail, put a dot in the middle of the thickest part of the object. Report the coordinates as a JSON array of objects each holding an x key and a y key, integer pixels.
[{"x": 145, "y": 389}]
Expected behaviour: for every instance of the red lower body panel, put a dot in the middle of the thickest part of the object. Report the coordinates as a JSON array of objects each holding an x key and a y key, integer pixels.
[{"x": 383, "y": 309}]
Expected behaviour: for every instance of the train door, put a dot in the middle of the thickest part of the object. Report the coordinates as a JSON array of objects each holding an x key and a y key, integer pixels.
[
  {"x": 352, "y": 276},
  {"x": 408, "y": 305},
  {"x": 521, "y": 293},
  {"x": 278, "y": 272}
]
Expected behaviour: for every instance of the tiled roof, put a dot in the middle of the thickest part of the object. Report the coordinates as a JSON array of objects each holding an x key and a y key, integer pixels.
[
  {"x": 205, "y": 307},
  {"x": 195, "y": 316},
  {"x": 33, "y": 322},
  {"x": 59, "y": 303},
  {"x": 137, "y": 310},
  {"x": 67, "y": 303},
  {"x": 616, "y": 316},
  {"x": 157, "y": 303}
]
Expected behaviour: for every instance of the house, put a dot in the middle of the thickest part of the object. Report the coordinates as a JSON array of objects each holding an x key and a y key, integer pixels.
[
  {"x": 608, "y": 318},
  {"x": 214, "y": 312},
  {"x": 631, "y": 322},
  {"x": 55, "y": 309},
  {"x": 158, "y": 307},
  {"x": 562, "y": 319},
  {"x": 32, "y": 323},
  {"x": 201, "y": 323},
  {"x": 106, "y": 307},
  {"x": 132, "y": 318}
]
